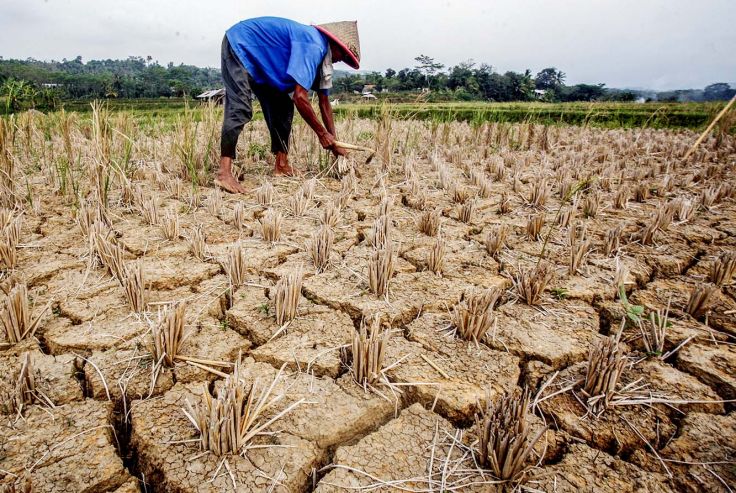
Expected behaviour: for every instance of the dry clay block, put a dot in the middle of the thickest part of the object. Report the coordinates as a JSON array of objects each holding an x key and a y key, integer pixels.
[
  {"x": 590, "y": 470},
  {"x": 449, "y": 374},
  {"x": 558, "y": 336},
  {"x": 68, "y": 448},
  {"x": 398, "y": 456},
  {"x": 158, "y": 424},
  {"x": 54, "y": 376}
]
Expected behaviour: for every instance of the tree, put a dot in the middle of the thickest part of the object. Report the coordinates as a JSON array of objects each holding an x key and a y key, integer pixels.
[
  {"x": 720, "y": 91},
  {"x": 549, "y": 78},
  {"x": 427, "y": 66}
]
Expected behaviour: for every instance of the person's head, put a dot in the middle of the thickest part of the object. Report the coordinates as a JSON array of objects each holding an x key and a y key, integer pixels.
[{"x": 344, "y": 42}]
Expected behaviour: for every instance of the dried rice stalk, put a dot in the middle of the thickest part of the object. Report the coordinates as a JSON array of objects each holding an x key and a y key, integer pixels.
[
  {"x": 271, "y": 225},
  {"x": 591, "y": 204},
  {"x": 110, "y": 254},
  {"x": 168, "y": 335},
  {"x": 709, "y": 197},
  {"x": 655, "y": 333},
  {"x": 429, "y": 222},
  {"x": 566, "y": 216},
  {"x": 229, "y": 423},
  {"x": 330, "y": 215},
  {"x": 699, "y": 300},
  {"x": 170, "y": 226},
  {"x": 466, "y": 211},
  {"x": 534, "y": 227},
  {"x": 214, "y": 202},
  {"x": 621, "y": 198},
  {"x": 380, "y": 234},
  {"x": 579, "y": 249},
  {"x": 723, "y": 269},
  {"x": 368, "y": 353},
  {"x": 530, "y": 284},
  {"x": 505, "y": 442},
  {"x": 685, "y": 209},
  {"x": 239, "y": 216},
  {"x": 197, "y": 245},
  {"x": 16, "y": 315},
  {"x": 473, "y": 316},
  {"x": 149, "y": 210},
  {"x": 504, "y": 205},
  {"x": 381, "y": 269},
  {"x": 320, "y": 247},
  {"x": 264, "y": 194},
  {"x": 496, "y": 240},
  {"x": 539, "y": 194},
  {"x": 641, "y": 192},
  {"x": 459, "y": 195},
  {"x": 309, "y": 187},
  {"x": 287, "y": 294},
  {"x": 235, "y": 266},
  {"x": 135, "y": 288},
  {"x": 24, "y": 389},
  {"x": 89, "y": 213},
  {"x": 299, "y": 203},
  {"x": 613, "y": 240},
  {"x": 605, "y": 365},
  {"x": 484, "y": 188},
  {"x": 436, "y": 257}
]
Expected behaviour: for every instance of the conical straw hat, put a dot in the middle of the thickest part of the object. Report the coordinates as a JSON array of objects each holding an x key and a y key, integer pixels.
[{"x": 345, "y": 34}]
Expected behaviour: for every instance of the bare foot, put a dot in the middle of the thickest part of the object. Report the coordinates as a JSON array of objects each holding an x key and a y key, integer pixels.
[
  {"x": 227, "y": 182},
  {"x": 286, "y": 170}
]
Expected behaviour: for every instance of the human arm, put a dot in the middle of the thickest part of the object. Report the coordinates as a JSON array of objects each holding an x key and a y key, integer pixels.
[{"x": 325, "y": 136}]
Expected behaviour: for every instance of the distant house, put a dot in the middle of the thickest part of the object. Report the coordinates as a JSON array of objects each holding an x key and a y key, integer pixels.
[
  {"x": 214, "y": 95},
  {"x": 368, "y": 95},
  {"x": 368, "y": 89},
  {"x": 540, "y": 93}
]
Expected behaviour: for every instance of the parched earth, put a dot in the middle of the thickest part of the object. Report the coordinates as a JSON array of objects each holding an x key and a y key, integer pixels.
[{"x": 110, "y": 422}]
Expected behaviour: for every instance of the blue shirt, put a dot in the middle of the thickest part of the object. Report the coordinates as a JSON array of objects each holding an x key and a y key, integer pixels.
[{"x": 278, "y": 52}]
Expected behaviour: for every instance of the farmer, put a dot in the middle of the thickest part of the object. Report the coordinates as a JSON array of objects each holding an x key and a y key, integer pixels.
[{"x": 279, "y": 60}]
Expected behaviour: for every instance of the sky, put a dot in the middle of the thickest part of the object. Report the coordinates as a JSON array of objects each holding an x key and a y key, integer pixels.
[{"x": 653, "y": 44}]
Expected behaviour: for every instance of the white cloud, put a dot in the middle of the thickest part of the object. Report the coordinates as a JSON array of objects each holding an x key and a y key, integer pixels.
[{"x": 644, "y": 43}]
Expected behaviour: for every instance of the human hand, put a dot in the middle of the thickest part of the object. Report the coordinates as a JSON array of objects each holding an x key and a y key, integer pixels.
[{"x": 327, "y": 140}]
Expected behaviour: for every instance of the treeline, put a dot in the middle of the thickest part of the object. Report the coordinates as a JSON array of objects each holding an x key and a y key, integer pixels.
[
  {"x": 37, "y": 84},
  {"x": 135, "y": 77},
  {"x": 469, "y": 81}
]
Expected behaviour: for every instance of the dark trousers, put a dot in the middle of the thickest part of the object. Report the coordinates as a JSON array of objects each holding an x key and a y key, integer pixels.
[{"x": 277, "y": 106}]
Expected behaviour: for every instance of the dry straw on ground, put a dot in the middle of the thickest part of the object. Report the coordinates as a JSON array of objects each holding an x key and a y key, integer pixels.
[
  {"x": 473, "y": 317},
  {"x": 436, "y": 256},
  {"x": 531, "y": 283},
  {"x": 240, "y": 414},
  {"x": 496, "y": 240},
  {"x": 16, "y": 315},
  {"x": 429, "y": 222},
  {"x": 320, "y": 247},
  {"x": 534, "y": 227},
  {"x": 381, "y": 269},
  {"x": 505, "y": 442},
  {"x": 168, "y": 335},
  {"x": 196, "y": 241},
  {"x": 264, "y": 194},
  {"x": 723, "y": 269},
  {"x": 367, "y": 354},
  {"x": 235, "y": 266},
  {"x": 271, "y": 225},
  {"x": 605, "y": 365},
  {"x": 286, "y": 297},
  {"x": 135, "y": 288},
  {"x": 699, "y": 300}
]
